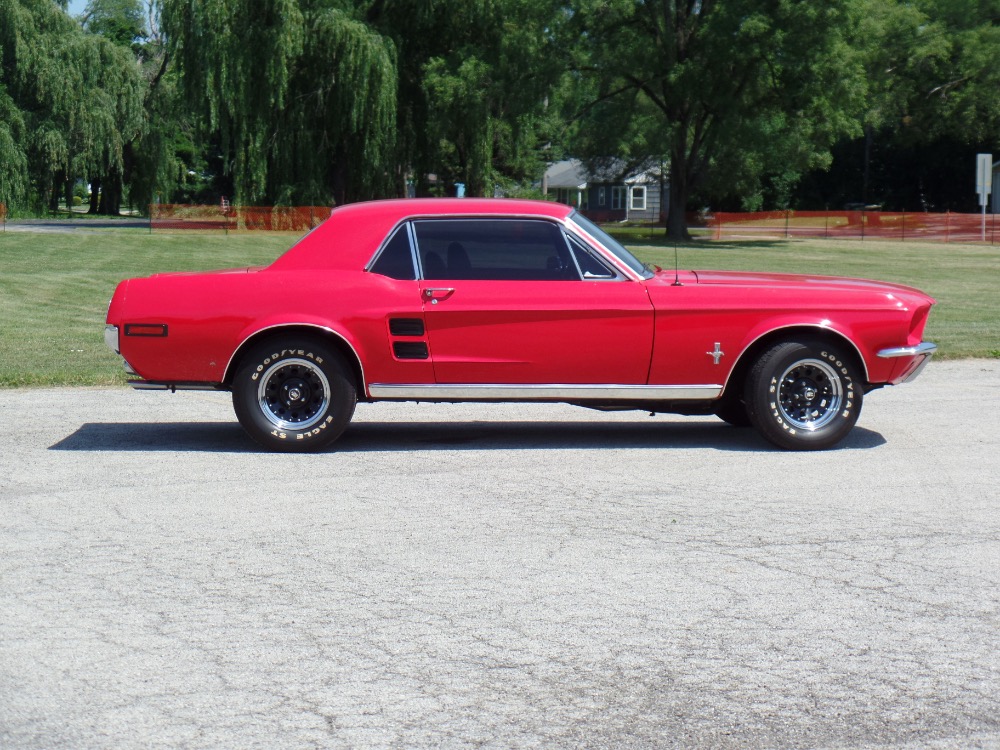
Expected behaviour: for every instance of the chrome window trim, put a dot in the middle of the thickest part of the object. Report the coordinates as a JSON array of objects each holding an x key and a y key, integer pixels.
[
  {"x": 569, "y": 248},
  {"x": 585, "y": 247},
  {"x": 565, "y": 222},
  {"x": 608, "y": 255},
  {"x": 559, "y": 224},
  {"x": 539, "y": 392},
  {"x": 385, "y": 243},
  {"x": 414, "y": 250},
  {"x": 361, "y": 364}
]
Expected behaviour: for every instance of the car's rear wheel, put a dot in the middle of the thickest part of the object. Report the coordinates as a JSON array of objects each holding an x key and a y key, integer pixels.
[
  {"x": 804, "y": 395},
  {"x": 294, "y": 395}
]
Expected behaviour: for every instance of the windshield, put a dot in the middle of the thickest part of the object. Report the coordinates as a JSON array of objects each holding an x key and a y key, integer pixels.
[{"x": 613, "y": 245}]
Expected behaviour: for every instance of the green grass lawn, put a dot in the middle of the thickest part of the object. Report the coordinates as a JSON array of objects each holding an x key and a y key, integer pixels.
[{"x": 54, "y": 288}]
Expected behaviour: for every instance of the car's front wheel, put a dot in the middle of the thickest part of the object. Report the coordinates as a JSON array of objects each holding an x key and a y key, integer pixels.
[
  {"x": 804, "y": 395},
  {"x": 294, "y": 395},
  {"x": 732, "y": 411}
]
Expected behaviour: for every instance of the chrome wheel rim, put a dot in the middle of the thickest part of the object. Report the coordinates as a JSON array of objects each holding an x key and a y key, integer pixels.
[
  {"x": 810, "y": 394},
  {"x": 293, "y": 394}
]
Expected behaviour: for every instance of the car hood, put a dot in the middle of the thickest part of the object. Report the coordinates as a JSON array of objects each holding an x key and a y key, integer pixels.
[{"x": 791, "y": 281}]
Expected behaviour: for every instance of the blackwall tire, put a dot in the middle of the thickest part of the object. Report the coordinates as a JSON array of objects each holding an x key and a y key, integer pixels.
[
  {"x": 733, "y": 412},
  {"x": 804, "y": 395},
  {"x": 294, "y": 395}
]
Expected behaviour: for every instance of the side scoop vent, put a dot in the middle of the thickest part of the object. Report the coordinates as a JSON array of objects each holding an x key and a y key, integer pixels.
[
  {"x": 406, "y": 327},
  {"x": 410, "y": 349}
]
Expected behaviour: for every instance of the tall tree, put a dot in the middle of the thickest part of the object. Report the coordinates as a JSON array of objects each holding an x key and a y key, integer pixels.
[
  {"x": 477, "y": 83},
  {"x": 737, "y": 85},
  {"x": 316, "y": 99},
  {"x": 954, "y": 90},
  {"x": 302, "y": 93},
  {"x": 13, "y": 158},
  {"x": 931, "y": 104},
  {"x": 77, "y": 98}
]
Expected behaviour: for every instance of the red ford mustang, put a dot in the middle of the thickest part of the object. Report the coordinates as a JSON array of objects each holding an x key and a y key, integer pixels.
[{"x": 504, "y": 300}]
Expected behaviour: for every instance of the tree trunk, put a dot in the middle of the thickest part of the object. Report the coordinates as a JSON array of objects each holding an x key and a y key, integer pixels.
[
  {"x": 95, "y": 195},
  {"x": 338, "y": 180},
  {"x": 338, "y": 174},
  {"x": 869, "y": 138},
  {"x": 54, "y": 194},
  {"x": 111, "y": 194},
  {"x": 676, "y": 220},
  {"x": 68, "y": 185}
]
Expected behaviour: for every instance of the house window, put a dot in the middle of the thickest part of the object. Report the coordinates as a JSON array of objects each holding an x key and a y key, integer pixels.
[
  {"x": 601, "y": 197},
  {"x": 638, "y": 202},
  {"x": 617, "y": 198}
]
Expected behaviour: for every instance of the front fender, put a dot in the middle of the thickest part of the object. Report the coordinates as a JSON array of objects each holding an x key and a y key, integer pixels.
[{"x": 790, "y": 325}]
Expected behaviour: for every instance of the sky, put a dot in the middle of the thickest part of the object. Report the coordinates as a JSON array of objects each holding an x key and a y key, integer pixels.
[{"x": 76, "y": 7}]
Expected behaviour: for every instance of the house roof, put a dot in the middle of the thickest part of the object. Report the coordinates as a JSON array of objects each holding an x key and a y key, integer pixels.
[
  {"x": 577, "y": 175},
  {"x": 569, "y": 173}
]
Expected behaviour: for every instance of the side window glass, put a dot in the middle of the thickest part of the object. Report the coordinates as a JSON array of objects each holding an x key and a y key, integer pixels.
[
  {"x": 494, "y": 249},
  {"x": 395, "y": 260},
  {"x": 590, "y": 266}
]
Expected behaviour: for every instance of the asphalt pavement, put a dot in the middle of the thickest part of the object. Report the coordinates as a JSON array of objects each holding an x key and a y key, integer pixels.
[
  {"x": 499, "y": 576},
  {"x": 62, "y": 226}
]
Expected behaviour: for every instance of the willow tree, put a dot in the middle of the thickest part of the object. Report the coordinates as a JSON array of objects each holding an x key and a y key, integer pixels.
[
  {"x": 302, "y": 93},
  {"x": 737, "y": 85},
  {"x": 74, "y": 99},
  {"x": 476, "y": 80},
  {"x": 13, "y": 159}
]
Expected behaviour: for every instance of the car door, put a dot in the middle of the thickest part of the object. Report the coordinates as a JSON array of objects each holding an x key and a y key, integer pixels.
[{"x": 506, "y": 302}]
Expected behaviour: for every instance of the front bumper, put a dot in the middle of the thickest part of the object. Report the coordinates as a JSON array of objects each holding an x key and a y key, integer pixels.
[{"x": 921, "y": 354}]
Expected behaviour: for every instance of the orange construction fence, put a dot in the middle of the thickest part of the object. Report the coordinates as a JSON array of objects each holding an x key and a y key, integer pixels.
[
  {"x": 880, "y": 225},
  {"x": 227, "y": 218}
]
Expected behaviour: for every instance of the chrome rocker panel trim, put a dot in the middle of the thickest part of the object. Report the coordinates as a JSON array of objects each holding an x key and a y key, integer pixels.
[
  {"x": 162, "y": 385},
  {"x": 537, "y": 392}
]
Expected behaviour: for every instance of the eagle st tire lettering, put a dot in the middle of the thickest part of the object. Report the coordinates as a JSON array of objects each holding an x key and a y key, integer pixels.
[
  {"x": 804, "y": 394},
  {"x": 294, "y": 395}
]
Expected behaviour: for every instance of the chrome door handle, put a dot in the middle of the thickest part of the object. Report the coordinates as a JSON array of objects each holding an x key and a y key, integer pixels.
[{"x": 435, "y": 294}]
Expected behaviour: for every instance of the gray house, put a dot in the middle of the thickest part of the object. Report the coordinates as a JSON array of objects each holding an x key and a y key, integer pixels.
[{"x": 610, "y": 190}]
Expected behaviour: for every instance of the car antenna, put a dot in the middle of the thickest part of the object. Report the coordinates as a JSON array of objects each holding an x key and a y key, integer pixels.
[{"x": 677, "y": 274}]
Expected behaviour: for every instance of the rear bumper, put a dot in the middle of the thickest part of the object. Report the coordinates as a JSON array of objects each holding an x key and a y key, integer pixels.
[
  {"x": 111, "y": 338},
  {"x": 920, "y": 355}
]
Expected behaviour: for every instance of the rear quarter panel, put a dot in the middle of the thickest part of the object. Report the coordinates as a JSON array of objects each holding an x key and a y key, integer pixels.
[{"x": 208, "y": 316}]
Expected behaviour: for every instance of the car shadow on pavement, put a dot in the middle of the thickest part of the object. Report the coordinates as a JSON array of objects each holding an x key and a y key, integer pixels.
[{"x": 214, "y": 437}]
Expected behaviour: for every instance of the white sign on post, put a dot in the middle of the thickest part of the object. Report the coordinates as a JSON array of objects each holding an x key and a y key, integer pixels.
[
  {"x": 984, "y": 182},
  {"x": 984, "y": 176}
]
